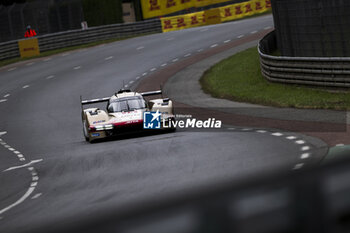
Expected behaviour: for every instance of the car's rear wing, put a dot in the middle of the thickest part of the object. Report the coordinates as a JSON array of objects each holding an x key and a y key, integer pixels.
[
  {"x": 105, "y": 99},
  {"x": 94, "y": 101},
  {"x": 159, "y": 92}
]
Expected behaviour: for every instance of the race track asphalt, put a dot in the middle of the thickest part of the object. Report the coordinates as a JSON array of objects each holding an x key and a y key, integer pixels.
[{"x": 69, "y": 179}]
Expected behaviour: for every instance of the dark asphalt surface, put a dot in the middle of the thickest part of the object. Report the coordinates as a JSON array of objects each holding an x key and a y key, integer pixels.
[{"x": 40, "y": 112}]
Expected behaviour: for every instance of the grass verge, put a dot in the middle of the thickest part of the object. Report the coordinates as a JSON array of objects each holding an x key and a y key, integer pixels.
[
  {"x": 57, "y": 51},
  {"x": 239, "y": 78}
]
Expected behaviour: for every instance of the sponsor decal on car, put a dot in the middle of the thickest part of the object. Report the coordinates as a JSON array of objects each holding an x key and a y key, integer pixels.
[
  {"x": 100, "y": 121},
  {"x": 95, "y": 134}
]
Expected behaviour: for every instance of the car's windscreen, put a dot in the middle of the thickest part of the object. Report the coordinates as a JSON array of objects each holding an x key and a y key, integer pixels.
[{"x": 127, "y": 104}]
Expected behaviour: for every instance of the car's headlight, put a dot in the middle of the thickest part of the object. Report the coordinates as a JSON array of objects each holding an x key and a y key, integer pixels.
[{"x": 109, "y": 126}]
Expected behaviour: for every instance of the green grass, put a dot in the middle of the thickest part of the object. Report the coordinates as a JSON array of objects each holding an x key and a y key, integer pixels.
[
  {"x": 57, "y": 51},
  {"x": 239, "y": 78}
]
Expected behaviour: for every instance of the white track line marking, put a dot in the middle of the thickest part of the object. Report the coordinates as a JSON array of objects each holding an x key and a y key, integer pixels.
[
  {"x": 144, "y": 74},
  {"x": 164, "y": 64},
  {"x": 36, "y": 196},
  {"x": 131, "y": 82},
  {"x": 26, "y": 86},
  {"x": 108, "y": 58},
  {"x": 277, "y": 134},
  {"x": 267, "y": 28},
  {"x": 7, "y": 95},
  {"x": 261, "y": 131},
  {"x": 213, "y": 46},
  {"x": 305, "y": 148},
  {"x": 35, "y": 177},
  {"x": 169, "y": 39},
  {"x": 231, "y": 128},
  {"x": 187, "y": 55},
  {"x": 253, "y": 32},
  {"x": 138, "y": 77},
  {"x": 126, "y": 85},
  {"x": 300, "y": 142},
  {"x": 24, "y": 165},
  {"x": 153, "y": 69},
  {"x": 30, "y": 63},
  {"x": 3, "y": 100},
  {"x": 245, "y": 129},
  {"x": 11, "y": 69},
  {"x": 139, "y": 48},
  {"x": 11, "y": 149},
  {"x": 335, "y": 145},
  {"x": 23, "y": 198},
  {"x": 291, "y": 137},
  {"x": 65, "y": 54},
  {"x": 204, "y": 30},
  {"x": 175, "y": 60},
  {"x": 298, "y": 166},
  {"x": 239, "y": 37},
  {"x": 305, "y": 155},
  {"x": 47, "y": 59},
  {"x": 226, "y": 41},
  {"x": 200, "y": 50},
  {"x": 77, "y": 67},
  {"x": 50, "y": 77}
]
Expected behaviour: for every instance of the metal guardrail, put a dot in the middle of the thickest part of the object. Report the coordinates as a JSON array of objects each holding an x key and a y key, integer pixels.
[
  {"x": 316, "y": 71},
  {"x": 78, "y": 37}
]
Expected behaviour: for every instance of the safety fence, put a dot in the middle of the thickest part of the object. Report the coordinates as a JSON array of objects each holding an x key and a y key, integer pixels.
[
  {"x": 312, "y": 28},
  {"x": 317, "y": 71},
  {"x": 44, "y": 16},
  {"x": 79, "y": 37}
]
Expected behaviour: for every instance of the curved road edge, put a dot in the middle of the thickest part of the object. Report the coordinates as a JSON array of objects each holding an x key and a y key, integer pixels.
[
  {"x": 331, "y": 132},
  {"x": 191, "y": 68}
]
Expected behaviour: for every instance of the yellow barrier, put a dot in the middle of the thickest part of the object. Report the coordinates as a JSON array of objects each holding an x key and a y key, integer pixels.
[
  {"x": 28, "y": 47},
  {"x": 154, "y": 8},
  {"x": 240, "y": 10},
  {"x": 212, "y": 16},
  {"x": 216, "y": 15},
  {"x": 183, "y": 21}
]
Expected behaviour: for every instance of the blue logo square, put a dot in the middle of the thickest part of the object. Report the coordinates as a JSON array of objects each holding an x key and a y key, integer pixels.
[{"x": 151, "y": 120}]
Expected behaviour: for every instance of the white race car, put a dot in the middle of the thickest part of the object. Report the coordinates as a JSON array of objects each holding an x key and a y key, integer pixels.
[{"x": 124, "y": 114}]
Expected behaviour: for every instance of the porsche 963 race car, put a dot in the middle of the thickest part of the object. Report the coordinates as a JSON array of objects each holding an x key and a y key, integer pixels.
[{"x": 124, "y": 114}]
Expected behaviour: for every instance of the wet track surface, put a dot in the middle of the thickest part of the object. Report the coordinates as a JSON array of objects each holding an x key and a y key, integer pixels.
[{"x": 42, "y": 120}]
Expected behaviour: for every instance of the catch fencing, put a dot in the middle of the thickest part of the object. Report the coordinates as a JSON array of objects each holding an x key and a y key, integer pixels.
[
  {"x": 316, "y": 71},
  {"x": 43, "y": 16},
  {"x": 312, "y": 28},
  {"x": 79, "y": 37}
]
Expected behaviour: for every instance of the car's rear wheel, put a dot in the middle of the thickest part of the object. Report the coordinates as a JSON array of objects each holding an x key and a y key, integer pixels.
[{"x": 85, "y": 130}]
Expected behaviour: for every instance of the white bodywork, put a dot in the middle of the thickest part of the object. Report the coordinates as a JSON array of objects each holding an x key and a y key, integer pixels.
[{"x": 99, "y": 124}]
